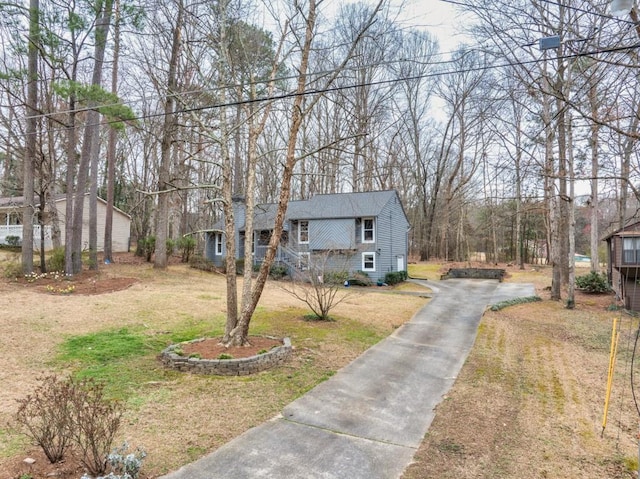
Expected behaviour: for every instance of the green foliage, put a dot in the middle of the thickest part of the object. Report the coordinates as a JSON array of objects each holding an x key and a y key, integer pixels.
[
  {"x": 186, "y": 245},
  {"x": 125, "y": 465},
  {"x": 201, "y": 263},
  {"x": 12, "y": 270},
  {"x": 336, "y": 277},
  {"x": 13, "y": 241},
  {"x": 240, "y": 266},
  {"x": 55, "y": 262},
  {"x": 593, "y": 282},
  {"x": 225, "y": 356},
  {"x": 277, "y": 271},
  {"x": 171, "y": 246},
  {"x": 146, "y": 247},
  {"x": 513, "y": 302},
  {"x": 110, "y": 105},
  {"x": 395, "y": 277},
  {"x": 104, "y": 346}
]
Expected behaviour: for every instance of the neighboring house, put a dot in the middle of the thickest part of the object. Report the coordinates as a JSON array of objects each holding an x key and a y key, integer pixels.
[
  {"x": 11, "y": 223},
  {"x": 365, "y": 232},
  {"x": 623, "y": 264}
]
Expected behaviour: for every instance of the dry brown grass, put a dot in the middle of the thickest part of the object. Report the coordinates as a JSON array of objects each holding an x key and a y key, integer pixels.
[
  {"x": 178, "y": 418},
  {"x": 529, "y": 400}
]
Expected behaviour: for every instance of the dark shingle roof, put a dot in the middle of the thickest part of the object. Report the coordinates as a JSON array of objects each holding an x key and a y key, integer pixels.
[{"x": 329, "y": 206}]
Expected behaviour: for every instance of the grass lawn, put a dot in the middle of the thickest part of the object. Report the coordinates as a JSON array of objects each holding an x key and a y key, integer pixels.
[
  {"x": 116, "y": 337},
  {"x": 529, "y": 400},
  {"x": 527, "y": 403}
]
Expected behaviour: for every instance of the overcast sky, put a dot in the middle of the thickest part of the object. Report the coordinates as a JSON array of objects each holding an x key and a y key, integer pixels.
[{"x": 435, "y": 16}]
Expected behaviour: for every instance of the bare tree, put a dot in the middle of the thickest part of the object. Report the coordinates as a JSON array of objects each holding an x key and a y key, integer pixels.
[
  {"x": 31, "y": 139},
  {"x": 319, "y": 286}
]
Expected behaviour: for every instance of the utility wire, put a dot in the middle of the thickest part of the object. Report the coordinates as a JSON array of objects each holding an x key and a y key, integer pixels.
[
  {"x": 317, "y": 91},
  {"x": 571, "y": 7}
]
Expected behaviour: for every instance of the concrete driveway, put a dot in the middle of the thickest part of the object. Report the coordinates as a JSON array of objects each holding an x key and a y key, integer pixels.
[{"x": 368, "y": 420}]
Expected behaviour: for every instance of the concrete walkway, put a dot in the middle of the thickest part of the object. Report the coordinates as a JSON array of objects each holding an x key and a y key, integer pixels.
[{"x": 368, "y": 420}]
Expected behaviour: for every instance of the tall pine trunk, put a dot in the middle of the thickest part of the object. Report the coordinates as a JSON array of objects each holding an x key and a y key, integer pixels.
[
  {"x": 90, "y": 145},
  {"x": 31, "y": 138},
  {"x": 168, "y": 134}
]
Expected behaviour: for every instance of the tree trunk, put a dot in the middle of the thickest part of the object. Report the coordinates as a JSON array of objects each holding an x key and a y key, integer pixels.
[
  {"x": 88, "y": 157},
  {"x": 239, "y": 334},
  {"x": 111, "y": 148},
  {"x": 31, "y": 140},
  {"x": 168, "y": 133}
]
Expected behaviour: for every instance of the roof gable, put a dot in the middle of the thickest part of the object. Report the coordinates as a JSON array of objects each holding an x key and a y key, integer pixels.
[
  {"x": 632, "y": 229},
  {"x": 341, "y": 205},
  {"x": 327, "y": 206}
]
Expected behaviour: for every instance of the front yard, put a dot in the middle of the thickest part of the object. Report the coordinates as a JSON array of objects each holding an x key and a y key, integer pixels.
[{"x": 115, "y": 337}]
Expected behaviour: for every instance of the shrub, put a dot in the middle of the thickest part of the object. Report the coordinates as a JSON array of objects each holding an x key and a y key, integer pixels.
[
  {"x": 360, "y": 278},
  {"x": 593, "y": 283},
  {"x": 171, "y": 246},
  {"x": 123, "y": 465},
  {"x": 240, "y": 266},
  {"x": 225, "y": 356},
  {"x": 146, "y": 247},
  {"x": 186, "y": 245},
  {"x": 202, "y": 263},
  {"x": 395, "y": 277},
  {"x": 62, "y": 412},
  {"x": 12, "y": 270},
  {"x": 55, "y": 262},
  {"x": 95, "y": 420},
  {"x": 515, "y": 301},
  {"x": 13, "y": 241},
  {"x": 45, "y": 416},
  {"x": 277, "y": 271},
  {"x": 336, "y": 277}
]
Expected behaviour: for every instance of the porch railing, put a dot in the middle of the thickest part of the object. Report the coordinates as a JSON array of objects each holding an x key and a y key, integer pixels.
[{"x": 16, "y": 230}]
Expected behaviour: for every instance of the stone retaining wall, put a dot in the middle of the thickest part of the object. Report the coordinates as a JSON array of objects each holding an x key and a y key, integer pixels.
[
  {"x": 476, "y": 273},
  {"x": 227, "y": 367}
]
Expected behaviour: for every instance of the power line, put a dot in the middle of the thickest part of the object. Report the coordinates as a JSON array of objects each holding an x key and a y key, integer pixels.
[
  {"x": 552, "y": 2},
  {"x": 284, "y": 96}
]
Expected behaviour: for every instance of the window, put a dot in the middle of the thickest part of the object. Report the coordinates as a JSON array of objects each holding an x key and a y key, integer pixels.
[
  {"x": 368, "y": 230},
  {"x": 218, "y": 243},
  {"x": 303, "y": 232},
  {"x": 631, "y": 250},
  {"x": 303, "y": 261},
  {"x": 368, "y": 261}
]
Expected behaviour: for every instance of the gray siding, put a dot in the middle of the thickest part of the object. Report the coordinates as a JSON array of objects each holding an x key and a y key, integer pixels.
[{"x": 332, "y": 234}]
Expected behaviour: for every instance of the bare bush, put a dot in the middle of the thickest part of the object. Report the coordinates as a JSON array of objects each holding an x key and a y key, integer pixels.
[
  {"x": 95, "y": 420},
  {"x": 319, "y": 286},
  {"x": 63, "y": 412},
  {"x": 45, "y": 416}
]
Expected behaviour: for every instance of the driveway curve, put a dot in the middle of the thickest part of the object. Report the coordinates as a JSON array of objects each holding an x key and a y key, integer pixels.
[{"x": 368, "y": 420}]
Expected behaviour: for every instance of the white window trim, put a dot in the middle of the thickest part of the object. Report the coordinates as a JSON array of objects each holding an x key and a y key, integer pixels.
[
  {"x": 373, "y": 224},
  {"x": 218, "y": 244},
  {"x": 300, "y": 231},
  {"x": 373, "y": 255}
]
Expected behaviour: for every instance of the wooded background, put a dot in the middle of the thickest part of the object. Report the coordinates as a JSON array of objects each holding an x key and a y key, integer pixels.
[{"x": 501, "y": 148}]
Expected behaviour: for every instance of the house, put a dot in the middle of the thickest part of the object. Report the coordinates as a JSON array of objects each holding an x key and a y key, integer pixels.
[
  {"x": 623, "y": 264},
  {"x": 365, "y": 232},
  {"x": 11, "y": 223}
]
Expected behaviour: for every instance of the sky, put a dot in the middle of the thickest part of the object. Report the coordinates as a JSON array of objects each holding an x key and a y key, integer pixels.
[{"x": 435, "y": 16}]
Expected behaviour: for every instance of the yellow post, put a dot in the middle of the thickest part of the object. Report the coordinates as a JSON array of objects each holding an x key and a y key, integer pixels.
[{"x": 615, "y": 336}]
